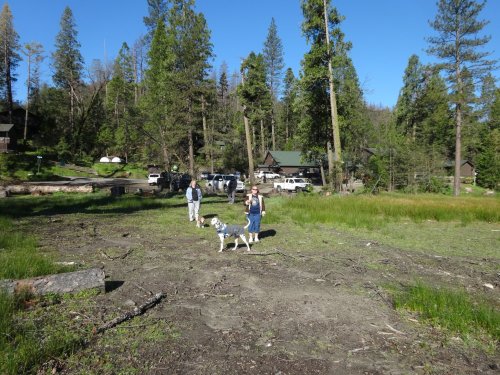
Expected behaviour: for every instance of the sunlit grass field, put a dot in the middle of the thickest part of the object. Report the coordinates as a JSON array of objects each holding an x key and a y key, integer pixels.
[{"x": 435, "y": 224}]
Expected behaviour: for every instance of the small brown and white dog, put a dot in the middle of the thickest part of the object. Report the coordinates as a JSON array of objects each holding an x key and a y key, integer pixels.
[
  {"x": 224, "y": 231},
  {"x": 200, "y": 223}
]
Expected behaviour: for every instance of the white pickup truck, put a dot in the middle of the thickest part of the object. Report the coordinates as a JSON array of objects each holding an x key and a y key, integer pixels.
[{"x": 293, "y": 184}]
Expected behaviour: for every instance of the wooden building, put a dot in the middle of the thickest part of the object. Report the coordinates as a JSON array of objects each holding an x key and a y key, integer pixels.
[
  {"x": 287, "y": 162},
  {"x": 4, "y": 137}
]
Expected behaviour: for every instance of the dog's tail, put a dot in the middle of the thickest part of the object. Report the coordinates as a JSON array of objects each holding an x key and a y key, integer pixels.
[{"x": 246, "y": 226}]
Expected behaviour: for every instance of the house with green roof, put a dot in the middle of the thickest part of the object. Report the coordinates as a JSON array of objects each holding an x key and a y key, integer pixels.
[{"x": 287, "y": 162}]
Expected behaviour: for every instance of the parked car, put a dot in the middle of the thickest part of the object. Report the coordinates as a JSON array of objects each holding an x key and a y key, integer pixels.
[
  {"x": 219, "y": 182},
  {"x": 268, "y": 175},
  {"x": 153, "y": 178},
  {"x": 216, "y": 183},
  {"x": 204, "y": 175},
  {"x": 293, "y": 184},
  {"x": 240, "y": 186}
]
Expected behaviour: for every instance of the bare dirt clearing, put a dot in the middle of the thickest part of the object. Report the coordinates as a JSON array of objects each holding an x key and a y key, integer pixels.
[{"x": 306, "y": 300}]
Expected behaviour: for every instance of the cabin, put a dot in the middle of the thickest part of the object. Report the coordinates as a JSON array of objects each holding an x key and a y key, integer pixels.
[
  {"x": 4, "y": 137},
  {"x": 287, "y": 163},
  {"x": 467, "y": 169}
]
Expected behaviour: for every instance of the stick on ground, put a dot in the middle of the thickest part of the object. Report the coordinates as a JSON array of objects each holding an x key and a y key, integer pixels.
[{"x": 129, "y": 315}]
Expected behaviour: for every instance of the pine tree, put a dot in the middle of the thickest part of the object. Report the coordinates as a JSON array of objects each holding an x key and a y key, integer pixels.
[
  {"x": 458, "y": 46},
  {"x": 407, "y": 111},
  {"x": 157, "y": 11},
  {"x": 9, "y": 56},
  {"x": 256, "y": 96},
  {"x": 193, "y": 51},
  {"x": 120, "y": 102},
  {"x": 289, "y": 96},
  {"x": 273, "y": 58},
  {"x": 156, "y": 102},
  {"x": 327, "y": 54},
  {"x": 68, "y": 67}
]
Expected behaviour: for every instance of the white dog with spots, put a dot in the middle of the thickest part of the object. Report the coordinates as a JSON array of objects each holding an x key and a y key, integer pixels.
[{"x": 224, "y": 231}]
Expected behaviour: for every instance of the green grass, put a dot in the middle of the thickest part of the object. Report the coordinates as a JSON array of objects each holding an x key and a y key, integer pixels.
[
  {"x": 376, "y": 211},
  {"x": 19, "y": 257},
  {"x": 20, "y": 345},
  {"x": 453, "y": 310}
]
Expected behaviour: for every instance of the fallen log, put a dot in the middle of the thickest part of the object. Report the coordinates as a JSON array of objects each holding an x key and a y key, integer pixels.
[
  {"x": 129, "y": 315},
  {"x": 69, "y": 282},
  {"x": 48, "y": 189}
]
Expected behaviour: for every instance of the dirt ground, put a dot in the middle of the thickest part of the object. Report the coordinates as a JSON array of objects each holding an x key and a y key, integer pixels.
[{"x": 285, "y": 307}]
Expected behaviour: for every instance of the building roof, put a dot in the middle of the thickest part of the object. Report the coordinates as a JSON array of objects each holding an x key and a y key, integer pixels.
[
  {"x": 5, "y": 127},
  {"x": 290, "y": 159},
  {"x": 451, "y": 163}
]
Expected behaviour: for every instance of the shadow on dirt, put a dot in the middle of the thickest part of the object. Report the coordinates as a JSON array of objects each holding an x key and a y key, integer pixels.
[
  {"x": 267, "y": 233},
  {"x": 111, "y": 285}
]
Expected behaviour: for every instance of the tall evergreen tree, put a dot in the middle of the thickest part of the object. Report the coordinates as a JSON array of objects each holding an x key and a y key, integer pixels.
[
  {"x": 256, "y": 96},
  {"x": 328, "y": 53},
  {"x": 407, "y": 111},
  {"x": 273, "y": 58},
  {"x": 458, "y": 46},
  {"x": 9, "y": 56},
  {"x": 289, "y": 96},
  {"x": 120, "y": 102},
  {"x": 193, "y": 51},
  {"x": 156, "y": 102},
  {"x": 68, "y": 67}
]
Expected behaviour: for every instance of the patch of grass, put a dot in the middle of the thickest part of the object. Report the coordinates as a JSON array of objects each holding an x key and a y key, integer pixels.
[
  {"x": 21, "y": 347},
  {"x": 30, "y": 338},
  {"x": 454, "y": 310},
  {"x": 19, "y": 257},
  {"x": 376, "y": 211}
]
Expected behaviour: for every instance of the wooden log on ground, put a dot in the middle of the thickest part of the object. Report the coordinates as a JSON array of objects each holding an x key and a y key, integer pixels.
[
  {"x": 48, "y": 189},
  {"x": 69, "y": 282}
]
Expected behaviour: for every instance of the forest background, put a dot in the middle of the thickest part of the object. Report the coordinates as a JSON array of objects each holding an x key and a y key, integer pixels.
[{"x": 162, "y": 100}]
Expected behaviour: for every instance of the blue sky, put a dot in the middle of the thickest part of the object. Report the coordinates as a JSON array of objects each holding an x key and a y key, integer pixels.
[{"x": 384, "y": 33}]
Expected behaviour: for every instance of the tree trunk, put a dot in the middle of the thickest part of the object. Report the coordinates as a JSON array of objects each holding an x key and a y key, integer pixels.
[
  {"x": 69, "y": 282},
  {"x": 458, "y": 151},
  {"x": 262, "y": 139},
  {"x": 205, "y": 130},
  {"x": 273, "y": 136},
  {"x": 331, "y": 165},
  {"x": 333, "y": 106},
  {"x": 27, "y": 99},
  {"x": 249, "y": 149}
]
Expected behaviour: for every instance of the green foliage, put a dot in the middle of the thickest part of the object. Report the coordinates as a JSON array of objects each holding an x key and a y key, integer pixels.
[
  {"x": 488, "y": 162},
  {"x": 455, "y": 311},
  {"x": 9, "y": 54}
]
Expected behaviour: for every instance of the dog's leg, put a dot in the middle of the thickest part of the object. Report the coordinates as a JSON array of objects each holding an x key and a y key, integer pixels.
[
  {"x": 242, "y": 236},
  {"x": 235, "y": 243},
  {"x": 221, "y": 236}
]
